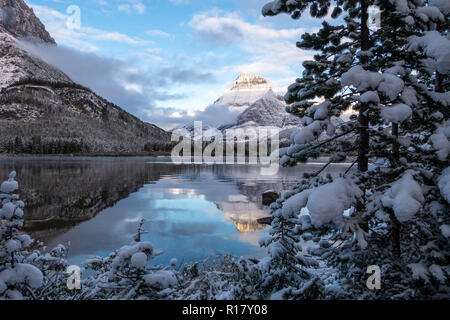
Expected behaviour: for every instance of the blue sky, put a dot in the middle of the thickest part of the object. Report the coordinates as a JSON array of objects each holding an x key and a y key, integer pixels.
[{"x": 166, "y": 60}]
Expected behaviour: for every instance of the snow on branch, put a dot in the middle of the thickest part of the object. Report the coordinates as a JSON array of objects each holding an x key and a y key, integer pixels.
[{"x": 405, "y": 197}]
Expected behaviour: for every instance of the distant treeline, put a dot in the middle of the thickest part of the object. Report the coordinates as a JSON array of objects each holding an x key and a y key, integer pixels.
[
  {"x": 36, "y": 145},
  {"x": 159, "y": 147}
]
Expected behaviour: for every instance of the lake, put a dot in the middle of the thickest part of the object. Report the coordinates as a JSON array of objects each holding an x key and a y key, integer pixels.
[{"x": 192, "y": 212}]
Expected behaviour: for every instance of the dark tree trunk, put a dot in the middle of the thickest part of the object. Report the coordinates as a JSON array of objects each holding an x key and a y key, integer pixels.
[
  {"x": 438, "y": 83},
  {"x": 395, "y": 234},
  {"x": 363, "y": 121},
  {"x": 395, "y": 146}
]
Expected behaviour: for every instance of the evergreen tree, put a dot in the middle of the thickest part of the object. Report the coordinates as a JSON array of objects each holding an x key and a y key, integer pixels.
[{"x": 396, "y": 211}]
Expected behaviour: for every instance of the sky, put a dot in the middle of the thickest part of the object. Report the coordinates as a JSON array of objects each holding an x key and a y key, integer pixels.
[{"x": 166, "y": 61}]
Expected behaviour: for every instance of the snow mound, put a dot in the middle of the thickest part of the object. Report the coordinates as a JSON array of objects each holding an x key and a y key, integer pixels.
[
  {"x": 391, "y": 86},
  {"x": 126, "y": 254},
  {"x": 10, "y": 185},
  {"x": 139, "y": 260},
  {"x": 405, "y": 197},
  {"x": 21, "y": 274},
  {"x": 396, "y": 113},
  {"x": 361, "y": 79},
  {"x": 443, "y": 5},
  {"x": 327, "y": 203},
  {"x": 435, "y": 46},
  {"x": 9, "y": 210},
  {"x": 295, "y": 204},
  {"x": 161, "y": 279},
  {"x": 308, "y": 134},
  {"x": 370, "y": 97},
  {"x": 444, "y": 184},
  {"x": 419, "y": 271},
  {"x": 440, "y": 141},
  {"x": 445, "y": 229}
]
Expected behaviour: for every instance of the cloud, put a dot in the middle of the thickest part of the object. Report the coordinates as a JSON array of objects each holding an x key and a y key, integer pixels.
[
  {"x": 178, "y": 2},
  {"x": 158, "y": 33},
  {"x": 272, "y": 51},
  {"x": 231, "y": 28},
  {"x": 131, "y": 6},
  {"x": 122, "y": 82},
  {"x": 214, "y": 116},
  {"x": 180, "y": 75},
  {"x": 56, "y": 24}
]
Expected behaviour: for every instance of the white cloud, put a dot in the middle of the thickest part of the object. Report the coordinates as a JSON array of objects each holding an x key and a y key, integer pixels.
[
  {"x": 101, "y": 2},
  {"x": 131, "y": 6},
  {"x": 178, "y": 2},
  {"x": 56, "y": 24},
  {"x": 158, "y": 33},
  {"x": 214, "y": 116},
  {"x": 213, "y": 25},
  {"x": 272, "y": 52}
]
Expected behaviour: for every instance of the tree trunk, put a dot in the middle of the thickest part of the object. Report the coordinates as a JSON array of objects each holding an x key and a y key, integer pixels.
[
  {"x": 363, "y": 121},
  {"x": 395, "y": 233},
  {"x": 395, "y": 146},
  {"x": 438, "y": 83}
]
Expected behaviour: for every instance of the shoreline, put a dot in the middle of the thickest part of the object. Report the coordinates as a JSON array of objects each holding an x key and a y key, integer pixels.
[
  {"x": 118, "y": 155},
  {"x": 88, "y": 155}
]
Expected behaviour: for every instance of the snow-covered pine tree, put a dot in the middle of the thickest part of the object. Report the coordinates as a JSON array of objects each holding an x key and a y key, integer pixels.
[
  {"x": 286, "y": 266},
  {"x": 423, "y": 45},
  {"x": 396, "y": 200},
  {"x": 18, "y": 279},
  {"x": 26, "y": 273}
]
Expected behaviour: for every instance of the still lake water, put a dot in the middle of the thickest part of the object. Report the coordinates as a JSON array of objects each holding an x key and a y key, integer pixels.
[{"x": 192, "y": 211}]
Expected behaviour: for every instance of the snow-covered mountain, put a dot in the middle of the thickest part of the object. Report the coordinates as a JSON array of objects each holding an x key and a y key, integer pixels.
[
  {"x": 17, "y": 21},
  {"x": 259, "y": 106},
  {"x": 269, "y": 110},
  {"x": 244, "y": 92},
  {"x": 41, "y": 106}
]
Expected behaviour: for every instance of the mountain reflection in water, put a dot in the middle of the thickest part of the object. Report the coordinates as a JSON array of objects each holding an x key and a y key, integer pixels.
[{"x": 192, "y": 211}]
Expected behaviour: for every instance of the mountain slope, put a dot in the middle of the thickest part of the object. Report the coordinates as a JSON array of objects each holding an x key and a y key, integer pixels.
[
  {"x": 16, "y": 64},
  {"x": 269, "y": 110},
  {"x": 43, "y": 111}
]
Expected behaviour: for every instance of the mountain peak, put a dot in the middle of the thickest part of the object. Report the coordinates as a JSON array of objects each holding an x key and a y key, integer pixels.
[
  {"x": 248, "y": 81},
  {"x": 246, "y": 90},
  {"x": 19, "y": 20}
]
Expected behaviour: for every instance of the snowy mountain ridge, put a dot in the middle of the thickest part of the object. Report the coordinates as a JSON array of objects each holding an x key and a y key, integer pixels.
[{"x": 269, "y": 110}]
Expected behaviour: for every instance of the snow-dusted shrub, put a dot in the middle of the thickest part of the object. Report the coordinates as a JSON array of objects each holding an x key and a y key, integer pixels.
[
  {"x": 126, "y": 274},
  {"x": 25, "y": 274},
  {"x": 223, "y": 278},
  {"x": 18, "y": 280}
]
